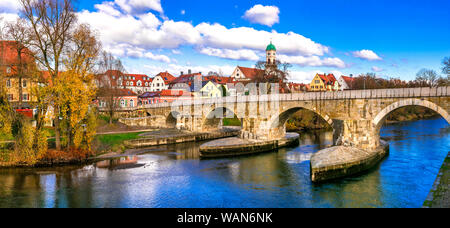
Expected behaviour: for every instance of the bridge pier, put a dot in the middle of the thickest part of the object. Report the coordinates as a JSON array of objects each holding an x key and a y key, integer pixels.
[{"x": 361, "y": 134}]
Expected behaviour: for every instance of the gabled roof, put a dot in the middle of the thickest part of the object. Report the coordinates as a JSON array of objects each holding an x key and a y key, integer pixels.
[
  {"x": 167, "y": 77},
  {"x": 250, "y": 72},
  {"x": 347, "y": 79},
  {"x": 9, "y": 56},
  {"x": 137, "y": 77},
  {"x": 186, "y": 78},
  {"x": 327, "y": 79},
  {"x": 8, "y": 53},
  {"x": 218, "y": 79}
]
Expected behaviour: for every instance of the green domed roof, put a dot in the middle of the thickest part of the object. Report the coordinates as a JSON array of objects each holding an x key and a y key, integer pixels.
[{"x": 271, "y": 47}]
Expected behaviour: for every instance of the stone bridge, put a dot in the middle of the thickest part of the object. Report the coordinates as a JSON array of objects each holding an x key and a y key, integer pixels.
[{"x": 356, "y": 116}]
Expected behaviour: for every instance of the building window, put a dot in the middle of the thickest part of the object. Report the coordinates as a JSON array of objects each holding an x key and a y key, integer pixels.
[
  {"x": 25, "y": 97},
  {"x": 10, "y": 97},
  {"x": 8, "y": 83},
  {"x": 131, "y": 83},
  {"x": 24, "y": 83},
  {"x": 317, "y": 81},
  {"x": 131, "y": 103},
  {"x": 122, "y": 103}
]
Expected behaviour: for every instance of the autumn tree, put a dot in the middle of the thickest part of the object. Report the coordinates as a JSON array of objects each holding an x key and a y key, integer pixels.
[
  {"x": 51, "y": 24},
  {"x": 76, "y": 84},
  {"x": 109, "y": 82}
]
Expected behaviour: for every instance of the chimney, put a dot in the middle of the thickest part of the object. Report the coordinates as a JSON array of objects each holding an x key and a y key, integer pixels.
[
  {"x": 189, "y": 71},
  {"x": 200, "y": 72},
  {"x": 181, "y": 72},
  {"x": 351, "y": 75}
]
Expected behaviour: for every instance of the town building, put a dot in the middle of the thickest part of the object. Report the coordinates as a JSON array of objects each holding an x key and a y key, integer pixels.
[
  {"x": 345, "y": 82},
  {"x": 161, "y": 81},
  {"x": 138, "y": 83},
  {"x": 245, "y": 74},
  {"x": 124, "y": 98},
  {"x": 324, "y": 82},
  {"x": 18, "y": 74}
]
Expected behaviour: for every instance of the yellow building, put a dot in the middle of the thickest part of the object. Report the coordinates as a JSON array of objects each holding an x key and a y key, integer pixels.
[
  {"x": 211, "y": 90},
  {"x": 324, "y": 82}
]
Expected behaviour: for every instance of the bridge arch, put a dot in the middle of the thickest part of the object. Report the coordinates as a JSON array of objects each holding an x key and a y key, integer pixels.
[
  {"x": 281, "y": 119},
  {"x": 214, "y": 117},
  {"x": 171, "y": 119},
  {"x": 381, "y": 117}
]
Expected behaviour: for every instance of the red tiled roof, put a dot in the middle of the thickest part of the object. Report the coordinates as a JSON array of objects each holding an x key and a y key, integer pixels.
[
  {"x": 347, "y": 79},
  {"x": 126, "y": 93},
  {"x": 218, "y": 79},
  {"x": 8, "y": 54},
  {"x": 327, "y": 79},
  {"x": 250, "y": 72},
  {"x": 137, "y": 77},
  {"x": 185, "y": 78},
  {"x": 167, "y": 77}
]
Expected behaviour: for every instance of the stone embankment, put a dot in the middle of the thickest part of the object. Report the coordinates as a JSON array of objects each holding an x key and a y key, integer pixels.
[
  {"x": 236, "y": 146},
  {"x": 339, "y": 161},
  {"x": 439, "y": 196},
  {"x": 152, "y": 139}
]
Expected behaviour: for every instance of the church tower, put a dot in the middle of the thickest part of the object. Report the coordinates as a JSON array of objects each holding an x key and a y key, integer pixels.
[{"x": 271, "y": 54}]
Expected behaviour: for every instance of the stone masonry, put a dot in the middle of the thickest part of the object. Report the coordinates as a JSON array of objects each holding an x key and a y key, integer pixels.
[{"x": 355, "y": 115}]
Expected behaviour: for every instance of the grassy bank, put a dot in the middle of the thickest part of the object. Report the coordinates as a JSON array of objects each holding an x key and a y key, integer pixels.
[
  {"x": 113, "y": 142},
  {"x": 231, "y": 122}
]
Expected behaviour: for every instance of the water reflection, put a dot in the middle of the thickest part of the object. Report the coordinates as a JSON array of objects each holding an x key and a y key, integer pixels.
[{"x": 174, "y": 176}]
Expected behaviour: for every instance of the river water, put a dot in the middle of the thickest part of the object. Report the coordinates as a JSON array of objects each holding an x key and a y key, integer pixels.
[{"x": 173, "y": 176}]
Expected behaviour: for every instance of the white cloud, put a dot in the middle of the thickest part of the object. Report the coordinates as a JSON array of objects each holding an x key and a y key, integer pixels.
[
  {"x": 183, "y": 12},
  {"x": 161, "y": 58},
  {"x": 175, "y": 69},
  {"x": 134, "y": 34},
  {"x": 377, "y": 69},
  {"x": 312, "y": 61},
  {"x": 107, "y": 8},
  {"x": 265, "y": 15},
  {"x": 218, "y": 36},
  {"x": 242, "y": 54},
  {"x": 10, "y": 6},
  {"x": 139, "y": 6},
  {"x": 366, "y": 54}
]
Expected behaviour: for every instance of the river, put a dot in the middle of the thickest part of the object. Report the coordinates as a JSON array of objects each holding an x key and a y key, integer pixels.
[{"x": 173, "y": 176}]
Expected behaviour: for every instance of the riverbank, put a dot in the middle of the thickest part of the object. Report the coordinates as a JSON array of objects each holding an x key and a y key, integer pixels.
[
  {"x": 439, "y": 196},
  {"x": 104, "y": 143},
  {"x": 173, "y": 136}
]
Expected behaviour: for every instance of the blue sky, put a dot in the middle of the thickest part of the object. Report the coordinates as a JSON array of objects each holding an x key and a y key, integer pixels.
[{"x": 391, "y": 38}]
